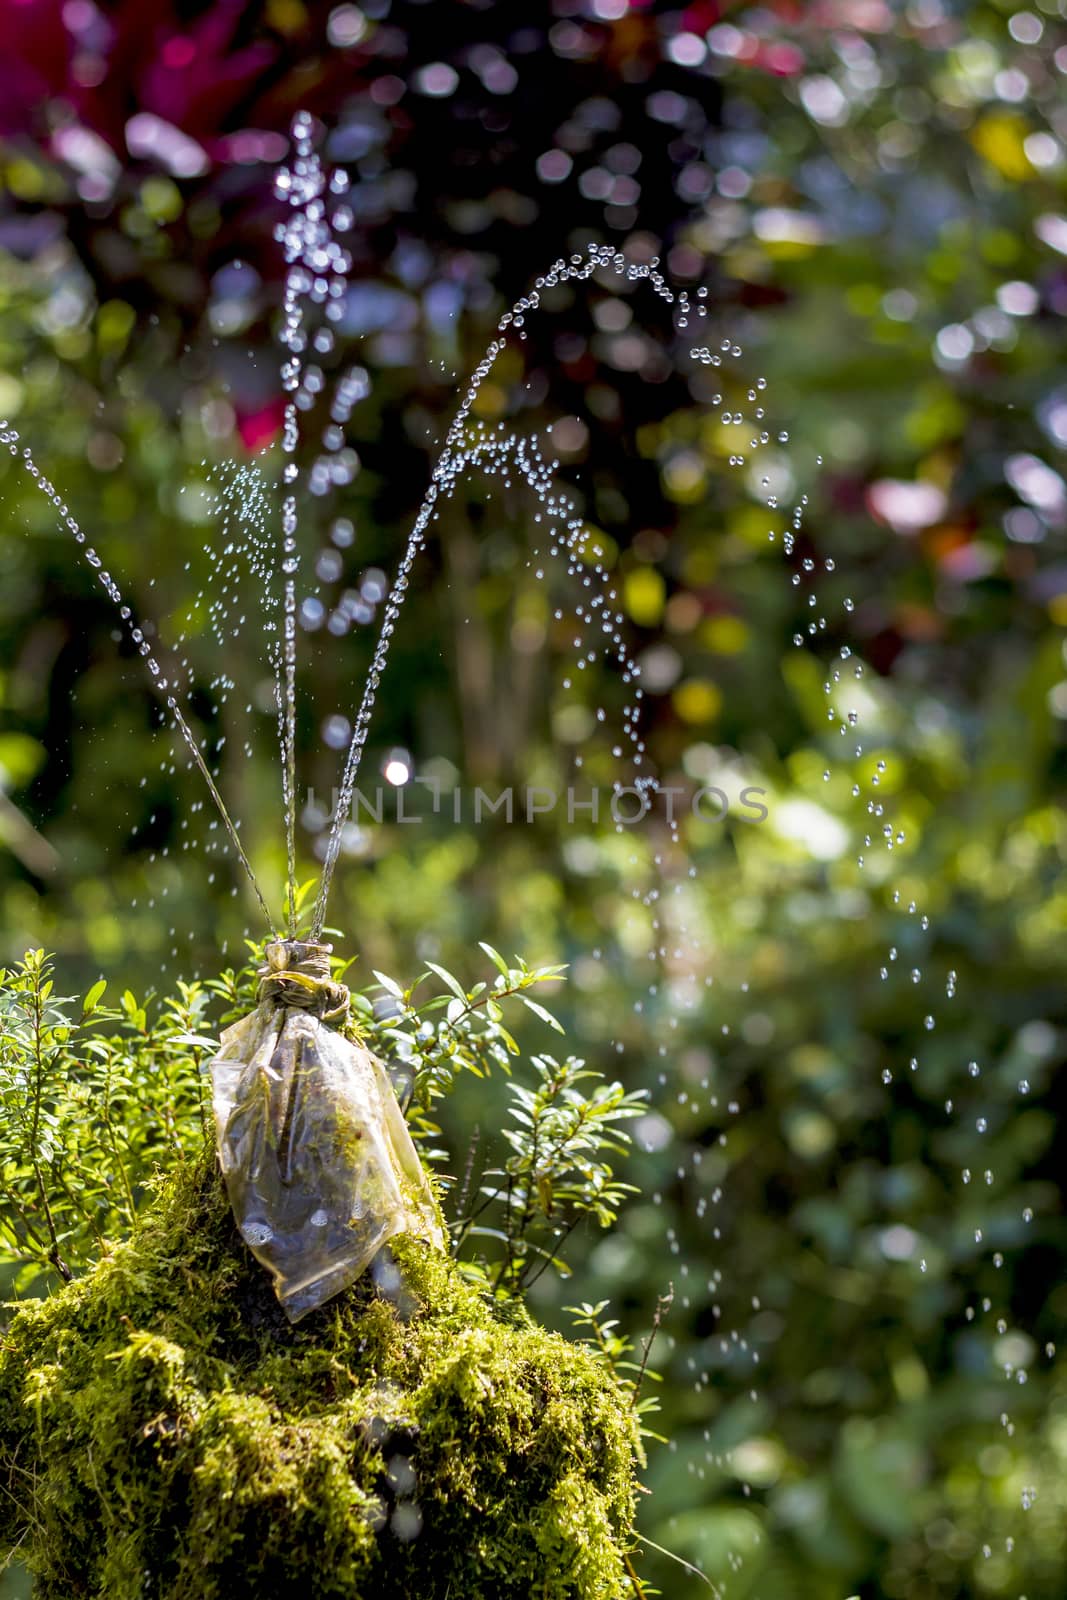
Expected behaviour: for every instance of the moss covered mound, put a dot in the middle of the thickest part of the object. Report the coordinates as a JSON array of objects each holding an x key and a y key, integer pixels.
[{"x": 165, "y": 1432}]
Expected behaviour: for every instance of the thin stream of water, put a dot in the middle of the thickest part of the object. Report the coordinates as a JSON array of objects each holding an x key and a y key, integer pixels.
[
  {"x": 450, "y": 465},
  {"x": 302, "y": 240},
  {"x": 9, "y": 437},
  {"x": 316, "y": 277}
]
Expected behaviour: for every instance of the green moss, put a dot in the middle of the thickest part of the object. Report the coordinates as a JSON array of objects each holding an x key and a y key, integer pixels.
[{"x": 165, "y": 1432}]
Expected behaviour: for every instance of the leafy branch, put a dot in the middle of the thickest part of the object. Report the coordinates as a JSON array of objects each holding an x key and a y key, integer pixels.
[
  {"x": 462, "y": 1030},
  {"x": 557, "y": 1175},
  {"x": 91, "y": 1097},
  {"x": 615, "y": 1351}
]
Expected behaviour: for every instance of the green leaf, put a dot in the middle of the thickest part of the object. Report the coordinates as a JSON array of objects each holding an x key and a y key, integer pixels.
[
  {"x": 496, "y": 958},
  {"x": 539, "y": 1011},
  {"x": 447, "y": 979},
  {"x": 92, "y": 999}
]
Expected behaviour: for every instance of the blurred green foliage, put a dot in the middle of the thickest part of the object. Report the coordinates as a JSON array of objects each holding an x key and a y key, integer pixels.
[{"x": 874, "y": 196}]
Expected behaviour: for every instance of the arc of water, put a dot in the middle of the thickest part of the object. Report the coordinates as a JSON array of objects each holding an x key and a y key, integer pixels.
[
  {"x": 317, "y": 266},
  {"x": 10, "y": 437},
  {"x": 578, "y": 270},
  {"x": 503, "y": 454},
  {"x": 301, "y": 194}
]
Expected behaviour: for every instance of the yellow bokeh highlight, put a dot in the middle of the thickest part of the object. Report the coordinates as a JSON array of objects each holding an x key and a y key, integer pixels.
[
  {"x": 1000, "y": 247},
  {"x": 644, "y": 596},
  {"x": 697, "y": 700},
  {"x": 719, "y": 438},
  {"x": 1000, "y": 139},
  {"x": 288, "y": 16},
  {"x": 490, "y": 401},
  {"x": 755, "y": 524},
  {"x": 114, "y": 324},
  {"x": 725, "y": 635},
  {"x": 26, "y": 180},
  {"x": 865, "y": 299},
  {"x": 648, "y": 439},
  {"x": 11, "y": 395},
  {"x": 161, "y": 199}
]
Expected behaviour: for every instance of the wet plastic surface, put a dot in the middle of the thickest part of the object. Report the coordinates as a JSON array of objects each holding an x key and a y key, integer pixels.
[{"x": 318, "y": 1161}]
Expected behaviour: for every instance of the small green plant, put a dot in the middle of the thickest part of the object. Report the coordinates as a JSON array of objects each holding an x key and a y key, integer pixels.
[
  {"x": 97, "y": 1098},
  {"x": 93, "y": 1099},
  {"x": 615, "y": 1351},
  {"x": 439, "y": 1036},
  {"x": 557, "y": 1175}
]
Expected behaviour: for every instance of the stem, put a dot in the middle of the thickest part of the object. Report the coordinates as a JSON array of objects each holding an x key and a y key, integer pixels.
[
  {"x": 534, "y": 1159},
  {"x": 509, "y": 1228},
  {"x": 551, "y": 1156},
  {"x": 37, "y": 1019},
  {"x": 201, "y": 1097},
  {"x": 663, "y": 1305},
  {"x": 113, "y": 1142},
  {"x": 76, "y": 1206},
  {"x": 682, "y": 1562},
  {"x": 519, "y": 1232},
  {"x": 473, "y": 1216},
  {"x": 24, "y": 1217},
  {"x": 553, "y": 1257},
  {"x": 421, "y": 1093},
  {"x": 483, "y": 999},
  {"x": 639, "y": 1589},
  {"x": 465, "y": 1189},
  {"x": 54, "y": 1255}
]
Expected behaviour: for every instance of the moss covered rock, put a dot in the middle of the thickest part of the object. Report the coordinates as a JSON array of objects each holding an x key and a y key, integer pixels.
[{"x": 165, "y": 1432}]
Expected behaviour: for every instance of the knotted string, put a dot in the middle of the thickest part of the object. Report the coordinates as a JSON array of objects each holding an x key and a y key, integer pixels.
[{"x": 297, "y": 974}]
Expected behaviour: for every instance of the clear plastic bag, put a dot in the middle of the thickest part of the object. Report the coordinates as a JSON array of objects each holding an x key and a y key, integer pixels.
[{"x": 319, "y": 1165}]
